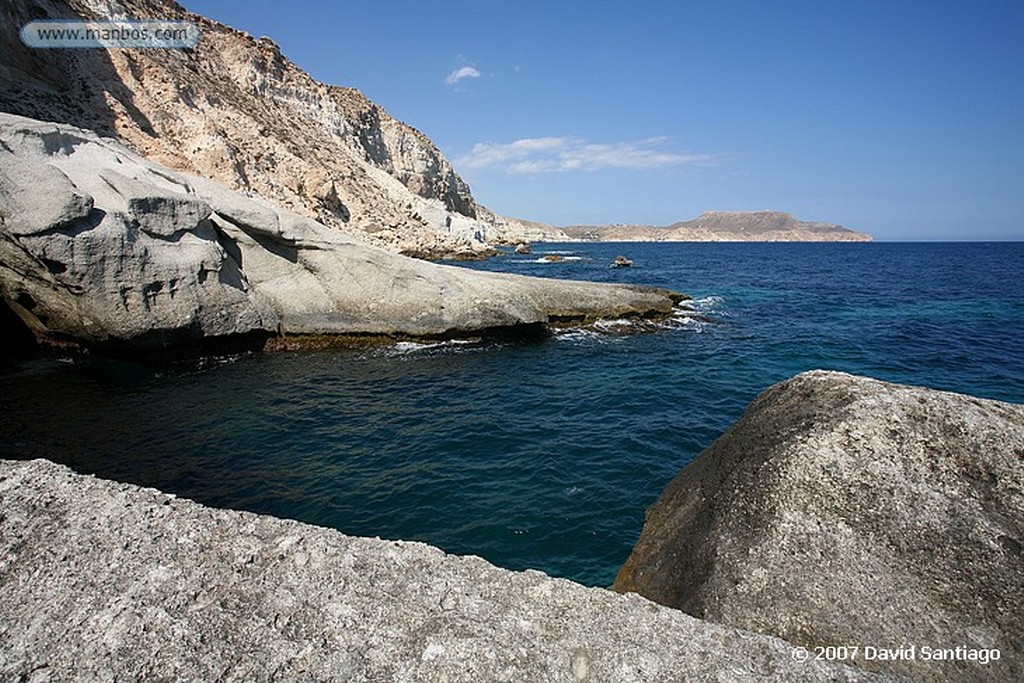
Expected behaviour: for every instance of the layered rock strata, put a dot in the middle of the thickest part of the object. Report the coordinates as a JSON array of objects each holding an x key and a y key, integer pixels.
[
  {"x": 101, "y": 246},
  {"x": 236, "y": 110},
  {"x": 106, "y": 581},
  {"x": 844, "y": 511}
]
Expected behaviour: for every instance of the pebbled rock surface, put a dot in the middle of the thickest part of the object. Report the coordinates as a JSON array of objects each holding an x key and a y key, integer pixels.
[
  {"x": 235, "y": 109},
  {"x": 107, "y": 581},
  {"x": 842, "y": 510},
  {"x": 101, "y": 246}
]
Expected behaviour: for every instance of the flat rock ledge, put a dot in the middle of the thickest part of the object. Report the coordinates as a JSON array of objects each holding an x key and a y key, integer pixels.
[
  {"x": 846, "y": 511},
  {"x": 106, "y": 249},
  {"x": 107, "y": 581}
]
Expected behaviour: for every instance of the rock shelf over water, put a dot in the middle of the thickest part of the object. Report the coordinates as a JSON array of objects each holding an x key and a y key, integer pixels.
[
  {"x": 102, "y": 247},
  {"x": 107, "y": 581}
]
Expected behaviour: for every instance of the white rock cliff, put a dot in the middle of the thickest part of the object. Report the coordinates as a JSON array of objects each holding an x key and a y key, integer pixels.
[{"x": 236, "y": 110}]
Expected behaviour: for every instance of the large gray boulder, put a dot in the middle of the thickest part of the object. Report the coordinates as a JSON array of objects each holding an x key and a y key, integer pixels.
[
  {"x": 101, "y": 246},
  {"x": 848, "y": 511},
  {"x": 106, "y": 581}
]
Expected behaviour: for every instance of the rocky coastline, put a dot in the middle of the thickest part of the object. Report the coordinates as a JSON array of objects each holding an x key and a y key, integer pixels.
[
  {"x": 168, "y": 201},
  {"x": 165, "y": 202},
  {"x": 105, "y": 249}
]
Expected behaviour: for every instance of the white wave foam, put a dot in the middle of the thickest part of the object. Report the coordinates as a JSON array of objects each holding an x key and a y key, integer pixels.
[
  {"x": 684, "y": 317},
  {"x": 707, "y": 303},
  {"x": 688, "y": 322},
  {"x": 617, "y": 323},
  {"x": 564, "y": 258},
  {"x": 578, "y": 334},
  {"x": 405, "y": 347}
]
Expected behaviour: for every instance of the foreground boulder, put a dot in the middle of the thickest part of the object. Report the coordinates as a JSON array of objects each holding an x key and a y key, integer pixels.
[
  {"x": 103, "y": 247},
  {"x": 106, "y": 581},
  {"x": 847, "y": 511}
]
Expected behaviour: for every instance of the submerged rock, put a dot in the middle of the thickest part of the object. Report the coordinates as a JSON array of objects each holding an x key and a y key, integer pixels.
[
  {"x": 101, "y": 246},
  {"x": 848, "y": 511},
  {"x": 107, "y": 581}
]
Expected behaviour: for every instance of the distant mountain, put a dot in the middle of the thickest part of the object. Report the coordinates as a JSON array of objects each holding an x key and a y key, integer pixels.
[{"x": 722, "y": 226}]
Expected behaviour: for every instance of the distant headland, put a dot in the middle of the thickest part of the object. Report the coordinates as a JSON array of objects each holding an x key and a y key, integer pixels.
[{"x": 722, "y": 226}]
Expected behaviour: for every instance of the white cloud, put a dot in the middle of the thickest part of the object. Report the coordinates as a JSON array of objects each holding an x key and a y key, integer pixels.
[
  {"x": 553, "y": 154},
  {"x": 461, "y": 73},
  {"x": 486, "y": 155}
]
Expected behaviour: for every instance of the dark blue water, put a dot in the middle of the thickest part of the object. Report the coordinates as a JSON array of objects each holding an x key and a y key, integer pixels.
[{"x": 541, "y": 454}]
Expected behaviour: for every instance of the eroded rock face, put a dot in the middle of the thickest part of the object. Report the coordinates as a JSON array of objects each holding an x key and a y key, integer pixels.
[
  {"x": 101, "y": 246},
  {"x": 847, "y": 511},
  {"x": 236, "y": 110},
  {"x": 105, "y": 581}
]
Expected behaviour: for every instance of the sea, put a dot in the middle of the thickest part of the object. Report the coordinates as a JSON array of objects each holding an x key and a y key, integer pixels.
[{"x": 540, "y": 453}]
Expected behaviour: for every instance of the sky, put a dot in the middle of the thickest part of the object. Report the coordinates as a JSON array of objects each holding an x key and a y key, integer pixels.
[{"x": 903, "y": 119}]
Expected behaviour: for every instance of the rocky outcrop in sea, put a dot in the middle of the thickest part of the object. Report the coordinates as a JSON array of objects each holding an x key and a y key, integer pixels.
[
  {"x": 236, "y": 110},
  {"x": 845, "y": 511},
  {"x": 102, "y": 247},
  {"x": 107, "y": 581}
]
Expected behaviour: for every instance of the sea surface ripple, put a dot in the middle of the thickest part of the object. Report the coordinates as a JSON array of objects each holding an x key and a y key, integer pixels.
[{"x": 540, "y": 454}]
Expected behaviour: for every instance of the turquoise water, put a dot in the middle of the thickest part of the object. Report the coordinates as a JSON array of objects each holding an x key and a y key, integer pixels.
[{"x": 539, "y": 454}]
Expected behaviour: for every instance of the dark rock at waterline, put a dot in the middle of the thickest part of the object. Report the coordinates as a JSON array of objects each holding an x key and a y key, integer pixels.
[
  {"x": 107, "y": 581},
  {"x": 848, "y": 511}
]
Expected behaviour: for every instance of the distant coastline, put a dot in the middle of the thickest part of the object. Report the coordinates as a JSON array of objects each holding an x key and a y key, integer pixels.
[{"x": 722, "y": 226}]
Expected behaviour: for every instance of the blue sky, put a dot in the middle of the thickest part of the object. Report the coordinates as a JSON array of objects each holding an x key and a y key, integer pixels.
[{"x": 903, "y": 119}]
